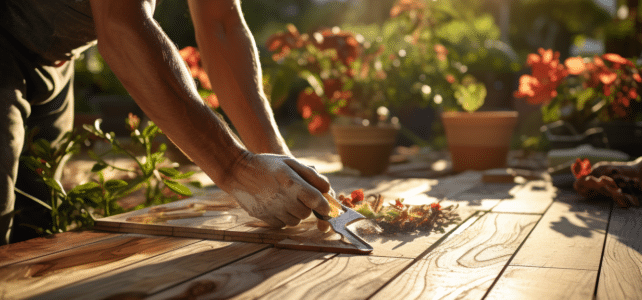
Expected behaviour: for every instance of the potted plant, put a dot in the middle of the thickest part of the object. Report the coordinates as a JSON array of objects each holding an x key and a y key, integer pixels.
[
  {"x": 586, "y": 97},
  {"x": 345, "y": 93},
  {"x": 443, "y": 42}
]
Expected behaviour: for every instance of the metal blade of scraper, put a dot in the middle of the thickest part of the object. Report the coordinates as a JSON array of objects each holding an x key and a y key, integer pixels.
[{"x": 340, "y": 225}]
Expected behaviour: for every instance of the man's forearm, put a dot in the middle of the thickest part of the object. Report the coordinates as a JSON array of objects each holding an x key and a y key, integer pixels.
[
  {"x": 152, "y": 71},
  {"x": 230, "y": 58}
]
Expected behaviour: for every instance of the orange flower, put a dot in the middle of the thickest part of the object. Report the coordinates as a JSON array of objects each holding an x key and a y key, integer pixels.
[
  {"x": 212, "y": 101},
  {"x": 548, "y": 73},
  {"x": 617, "y": 59},
  {"x": 319, "y": 124},
  {"x": 343, "y": 42},
  {"x": 284, "y": 41},
  {"x": 575, "y": 65}
]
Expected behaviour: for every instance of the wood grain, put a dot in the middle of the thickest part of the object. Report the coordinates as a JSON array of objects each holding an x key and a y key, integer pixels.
[
  {"x": 621, "y": 272},
  {"x": 343, "y": 277},
  {"x": 534, "y": 198},
  {"x": 569, "y": 235},
  {"x": 626, "y": 223},
  {"x": 527, "y": 283},
  {"x": 37, "y": 247},
  {"x": 248, "y": 278},
  {"x": 159, "y": 272},
  {"x": 40, "y": 275},
  {"x": 466, "y": 264}
]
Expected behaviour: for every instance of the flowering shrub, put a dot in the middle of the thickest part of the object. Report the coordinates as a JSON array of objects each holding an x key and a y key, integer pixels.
[
  {"x": 192, "y": 59},
  {"x": 343, "y": 71},
  {"x": 582, "y": 89}
]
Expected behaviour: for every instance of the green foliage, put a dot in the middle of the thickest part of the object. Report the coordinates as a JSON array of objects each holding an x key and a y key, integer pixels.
[{"x": 83, "y": 203}]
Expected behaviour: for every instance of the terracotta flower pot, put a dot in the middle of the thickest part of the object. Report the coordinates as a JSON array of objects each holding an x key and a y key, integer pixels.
[
  {"x": 365, "y": 148},
  {"x": 479, "y": 140}
]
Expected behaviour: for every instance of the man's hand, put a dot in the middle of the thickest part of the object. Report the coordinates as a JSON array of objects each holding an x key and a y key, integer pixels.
[{"x": 277, "y": 189}]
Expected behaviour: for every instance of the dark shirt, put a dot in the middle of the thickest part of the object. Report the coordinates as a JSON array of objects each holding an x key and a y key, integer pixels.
[{"x": 51, "y": 30}]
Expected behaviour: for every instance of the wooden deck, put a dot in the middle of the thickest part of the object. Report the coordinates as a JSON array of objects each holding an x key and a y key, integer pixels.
[{"x": 514, "y": 241}]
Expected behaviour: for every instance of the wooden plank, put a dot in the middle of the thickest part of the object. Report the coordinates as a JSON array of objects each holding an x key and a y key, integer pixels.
[
  {"x": 37, "y": 247},
  {"x": 40, "y": 275},
  {"x": 570, "y": 235},
  {"x": 621, "y": 272},
  {"x": 544, "y": 283},
  {"x": 343, "y": 277},
  {"x": 408, "y": 245},
  {"x": 466, "y": 264},
  {"x": 483, "y": 197},
  {"x": 248, "y": 278},
  {"x": 200, "y": 217},
  {"x": 534, "y": 198},
  {"x": 158, "y": 273}
]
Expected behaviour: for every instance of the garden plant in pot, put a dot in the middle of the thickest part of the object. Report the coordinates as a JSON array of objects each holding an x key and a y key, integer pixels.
[
  {"x": 345, "y": 93},
  {"x": 432, "y": 47},
  {"x": 594, "y": 96}
]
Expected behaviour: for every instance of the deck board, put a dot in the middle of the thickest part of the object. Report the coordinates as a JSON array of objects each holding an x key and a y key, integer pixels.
[
  {"x": 250, "y": 277},
  {"x": 466, "y": 264},
  {"x": 621, "y": 272},
  {"x": 159, "y": 272},
  {"x": 570, "y": 235},
  {"x": 43, "y": 274},
  {"x": 533, "y": 283},
  {"x": 342, "y": 277},
  {"x": 37, "y": 247}
]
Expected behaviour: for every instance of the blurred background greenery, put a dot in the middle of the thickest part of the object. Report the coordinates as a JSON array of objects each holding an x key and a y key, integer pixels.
[{"x": 515, "y": 27}]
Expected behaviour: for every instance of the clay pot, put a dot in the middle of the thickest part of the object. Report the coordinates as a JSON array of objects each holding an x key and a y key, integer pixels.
[
  {"x": 479, "y": 140},
  {"x": 366, "y": 149}
]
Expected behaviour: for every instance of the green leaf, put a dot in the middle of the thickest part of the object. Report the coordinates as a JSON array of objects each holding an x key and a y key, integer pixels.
[
  {"x": 84, "y": 188},
  {"x": 584, "y": 96},
  {"x": 196, "y": 184},
  {"x": 115, "y": 184},
  {"x": 177, "y": 187},
  {"x": 170, "y": 172},
  {"x": 174, "y": 174},
  {"x": 99, "y": 166},
  {"x": 470, "y": 97},
  {"x": 55, "y": 185}
]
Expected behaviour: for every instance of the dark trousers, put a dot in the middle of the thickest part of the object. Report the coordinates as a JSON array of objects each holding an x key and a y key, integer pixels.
[{"x": 31, "y": 95}]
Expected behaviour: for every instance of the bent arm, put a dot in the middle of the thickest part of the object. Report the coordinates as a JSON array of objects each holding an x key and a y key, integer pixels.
[
  {"x": 230, "y": 58},
  {"x": 151, "y": 69}
]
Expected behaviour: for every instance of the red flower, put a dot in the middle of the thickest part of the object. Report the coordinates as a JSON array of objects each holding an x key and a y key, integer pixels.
[
  {"x": 284, "y": 41},
  {"x": 617, "y": 59},
  {"x": 450, "y": 78},
  {"x": 442, "y": 52},
  {"x": 343, "y": 42},
  {"x": 319, "y": 124},
  {"x": 309, "y": 103},
  {"x": 357, "y": 195},
  {"x": 133, "y": 121},
  {"x": 581, "y": 168},
  {"x": 398, "y": 204},
  {"x": 435, "y": 206}
]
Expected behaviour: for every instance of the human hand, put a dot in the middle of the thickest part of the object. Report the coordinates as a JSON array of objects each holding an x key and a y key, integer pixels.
[
  {"x": 277, "y": 189},
  {"x": 620, "y": 181}
]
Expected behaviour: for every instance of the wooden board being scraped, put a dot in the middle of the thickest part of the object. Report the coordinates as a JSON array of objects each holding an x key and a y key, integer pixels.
[{"x": 217, "y": 217}]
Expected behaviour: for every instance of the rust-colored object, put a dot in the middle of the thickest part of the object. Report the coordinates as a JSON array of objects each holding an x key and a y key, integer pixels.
[
  {"x": 479, "y": 140},
  {"x": 366, "y": 149},
  {"x": 619, "y": 181}
]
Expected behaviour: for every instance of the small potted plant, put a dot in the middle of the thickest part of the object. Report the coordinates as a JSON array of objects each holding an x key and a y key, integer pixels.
[
  {"x": 596, "y": 96},
  {"x": 442, "y": 45},
  {"x": 345, "y": 93}
]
